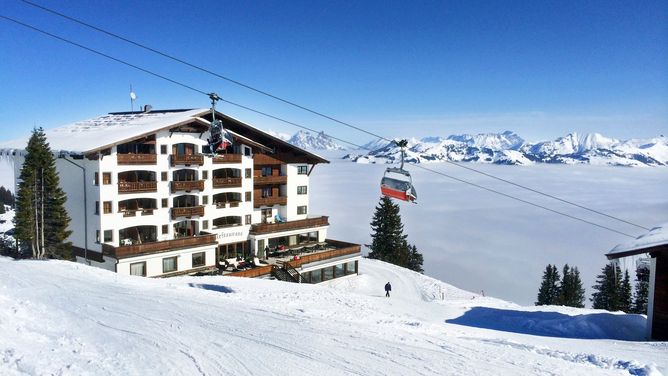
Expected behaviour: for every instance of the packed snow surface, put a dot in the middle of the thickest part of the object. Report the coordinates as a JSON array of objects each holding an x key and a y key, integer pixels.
[{"x": 63, "y": 318}]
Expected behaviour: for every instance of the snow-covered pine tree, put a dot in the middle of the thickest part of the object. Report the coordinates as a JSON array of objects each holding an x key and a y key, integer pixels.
[
  {"x": 549, "y": 290},
  {"x": 642, "y": 291},
  {"x": 571, "y": 292},
  {"x": 41, "y": 219},
  {"x": 608, "y": 286},
  {"x": 388, "y": 240}
]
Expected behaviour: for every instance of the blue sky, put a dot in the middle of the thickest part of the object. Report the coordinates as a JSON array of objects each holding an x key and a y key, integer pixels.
[{"x": 542, "y": 69}]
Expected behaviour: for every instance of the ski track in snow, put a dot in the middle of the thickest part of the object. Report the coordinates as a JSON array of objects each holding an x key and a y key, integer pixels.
[{"x": 64, "y": 318}]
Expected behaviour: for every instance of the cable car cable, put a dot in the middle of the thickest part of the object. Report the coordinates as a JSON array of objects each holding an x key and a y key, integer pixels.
[
  {"x": 300, "y": 126},
  {"x": 318, "y": 113}
]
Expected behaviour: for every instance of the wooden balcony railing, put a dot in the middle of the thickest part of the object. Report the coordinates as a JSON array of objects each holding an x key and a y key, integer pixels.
[
  {"x": 227, "y": 182},
  {"x": 351, "y": 249},
  {"x": 188, "y": 211},
  {"x": 155, "y": 247},
  {"x": 259, "y": 180},
  {"x": 269, "y": 201},
  {"x": 194, "y": 185},
  {"x": 187, "y": 159},
  {"x": 137, "y": 186},
  {"x": 252, "y": 273},
  {"x": 267, "y": 228},
  {"x": 136, "y": 159},
  {"x": 227, "y": 158}
]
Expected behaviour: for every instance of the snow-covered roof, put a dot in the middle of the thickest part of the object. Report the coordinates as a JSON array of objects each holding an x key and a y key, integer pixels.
[
  {"x": 656, "y": 237},
  {"x": 103, "y": 131}
]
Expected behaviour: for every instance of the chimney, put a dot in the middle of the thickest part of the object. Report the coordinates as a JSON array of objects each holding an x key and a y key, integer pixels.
[{"x": 147, "y": 108}]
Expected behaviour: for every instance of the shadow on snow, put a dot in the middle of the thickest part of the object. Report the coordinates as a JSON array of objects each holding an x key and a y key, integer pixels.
[
  {"x": 554, "y": 324},
  {"x": 216, "y": 288}
]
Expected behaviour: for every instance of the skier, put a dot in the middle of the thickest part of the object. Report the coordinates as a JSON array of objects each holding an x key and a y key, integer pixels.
[{"x": 388, "y": 288}]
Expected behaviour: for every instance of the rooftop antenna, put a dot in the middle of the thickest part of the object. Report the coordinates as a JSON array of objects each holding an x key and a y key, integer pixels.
[{"x": 133, "y": 98}]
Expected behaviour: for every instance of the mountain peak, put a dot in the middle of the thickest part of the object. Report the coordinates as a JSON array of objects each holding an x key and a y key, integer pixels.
[{"x": 305, "y": 140}]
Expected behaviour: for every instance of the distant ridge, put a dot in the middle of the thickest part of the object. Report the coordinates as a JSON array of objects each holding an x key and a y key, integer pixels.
[{"x": 510, "y": 149}]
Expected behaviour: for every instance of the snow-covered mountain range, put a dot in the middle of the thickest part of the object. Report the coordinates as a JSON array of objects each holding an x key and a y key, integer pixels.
[
  {"x": 321, "y": 141},
  {"x": 510, "y": 148}
]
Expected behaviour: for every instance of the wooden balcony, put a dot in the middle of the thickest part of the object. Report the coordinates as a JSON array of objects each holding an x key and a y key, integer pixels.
[
  {"x": 227, "y": 158},
  {"x": 270, "y": 201},
  {"x": 194, "y": 185},
  {"x": 188, "y": 211},
  {"x": 136, "y": 159},
  {"x": 260, "y": 180},
  {"x": 186, "y": 159},
  {"x": 137, "y": 186},
  {"x": 267, "y": 228},
  {"x": 227, "y": 182},
  {"x": 156, "y": 247},
  {"x": 345, "y": 249},
  {"x": 267, "y": 159}
]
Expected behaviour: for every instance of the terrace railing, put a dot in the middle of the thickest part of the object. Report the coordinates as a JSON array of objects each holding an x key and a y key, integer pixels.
[
  {"x": 136, "y": 159},
  {"x": 270, "y": 201},
  {"x": 267, "y": 228},
  {"x": 137, "y": 186},
  {"x": 227, "y": 158},
  {"x": 260, "y": 180},
  {"x": 187, "y": 159},
  {"x": 161, "y": 246},
  {"x": 194, "y": 185},
  {"x": 227, "y": 182},
  {"x": 188, "y": 211}
]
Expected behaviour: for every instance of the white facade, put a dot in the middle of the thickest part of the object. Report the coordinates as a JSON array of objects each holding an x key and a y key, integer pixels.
[{"x": 116, "y": 218}]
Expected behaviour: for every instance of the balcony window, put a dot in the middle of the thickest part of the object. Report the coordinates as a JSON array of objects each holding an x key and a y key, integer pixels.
[
  {"x": 186, "y": 228},
  {"x": 138, "y": 268},
  {"x": 266, "y": 192},
  {"x": 184, "y": 175},
  {"x": 266, "y": 171},
  {"x": 142, "y": 146},
  {"x": 221, "y": 199},
  {"x": 228, "y": 221},
  {"x": 185, "y": 201},
  {"x": 137, "y": 235},
  {"x": 169, "y": 264},
  {"x": 137, "y": 204},
  {"x": 199, "y": 259}
]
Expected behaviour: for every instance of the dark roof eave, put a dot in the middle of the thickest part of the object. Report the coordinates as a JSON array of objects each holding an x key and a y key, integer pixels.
[{"x": 638, "y": 251}]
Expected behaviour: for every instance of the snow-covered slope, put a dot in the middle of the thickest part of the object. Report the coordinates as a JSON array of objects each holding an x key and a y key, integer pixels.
[
  {"x": 509, "y": 148},
  {"x": 321, "y": 141},
  {"x": 62, "y": 318}
]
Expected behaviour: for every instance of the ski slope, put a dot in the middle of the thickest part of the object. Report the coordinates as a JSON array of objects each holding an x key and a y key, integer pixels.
[{"x": 65, "y": 318}]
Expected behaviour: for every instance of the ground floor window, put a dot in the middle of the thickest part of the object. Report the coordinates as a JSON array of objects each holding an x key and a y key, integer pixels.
[
  {"x": 199, "y": 259},
  {"x": 138, "y": 268},
  {"x": 240, "y": 250},
  {"x": 351, "y": 267},
  {"x": 331, "y": 272},
  {"x": 169, "y": 264}
]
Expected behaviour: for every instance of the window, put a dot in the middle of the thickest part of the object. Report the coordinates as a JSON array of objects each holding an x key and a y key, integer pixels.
[
  {"x": 302, "y": 170},
  {"x": 138, "y": 268},
  {"x": 249, "y": 173},
  {"x": 164, "y": 203},
  {"x": 97, "y": 236},
  {"x": 338, "y": 271},
  {"x": 328, "y": 273},
  {"x": 106, "y": 207},
  {"x": 301, "y": 209},
  {"x": 248, "y": 196},
  {"x": 247, "y": 151},
  {"x": 351, "y": 267},
  {"x": 199, "y": 259},
  {"x": 163, "y": 176},
  {"x": 205, "y": 200},
  {"x": 266, "y": 171},
  {"x": 205, "y": 225},
  {"x": 169, "y": 264},
  {"x": 97, "y": 207},
  {"x": 205, "y": 175},
  {"x": 313, "y": 236},
  {"x": 301, "y": 190},
  {"x": 163, "y": 149},
  {"x": 108, "y": 236},
  {"x": 96, "y": 178},
  {"x": 248, "y": 219},
  {"x": 316, "y": 276},
  {"x": 165, "y": 229},
  {"x": 266, "y": 192},
  {"x": 106, "y": 178}
]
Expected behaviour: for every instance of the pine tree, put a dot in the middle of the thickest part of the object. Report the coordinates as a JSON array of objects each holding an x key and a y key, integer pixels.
[
  {"x": 642, "y": 291},
  {"x": 2, "y": 208},
  {"x": 608, "y": 289},
  {"x": 571, "y": 292},
  {"x": 626, "y": 294},
  {"x": 387, "y": 232},
  {"x": 388, "y": 242},
  {"x": 41, "y": 220},
  {"x": 549, "y": 290}
]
